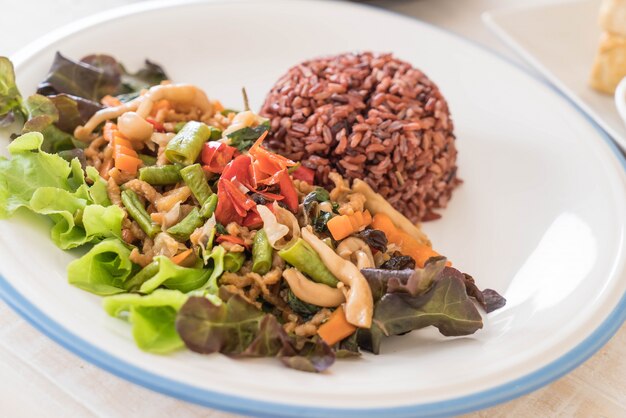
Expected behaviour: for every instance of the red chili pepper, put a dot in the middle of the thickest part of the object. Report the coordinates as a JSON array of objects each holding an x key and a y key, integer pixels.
[
  {"x": 253, "y": 220},
  {"x": 231, "y": 238},
  {"x": 158, "y": 126},
  {"x": 288, "y": 190},
  {"x": 225, "y": 211},
  {"x": 304, "y": 173},
  {"x": 240, "y": 169},
  {"x": 216, "y": 155},
  {"x": 241, "y": 201}
]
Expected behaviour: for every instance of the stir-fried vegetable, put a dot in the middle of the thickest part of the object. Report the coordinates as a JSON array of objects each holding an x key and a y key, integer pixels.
[{"x": 205, "y": 238}]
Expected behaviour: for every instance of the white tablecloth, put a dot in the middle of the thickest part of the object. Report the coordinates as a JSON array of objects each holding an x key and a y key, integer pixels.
[{"x": 39, "y": 378}]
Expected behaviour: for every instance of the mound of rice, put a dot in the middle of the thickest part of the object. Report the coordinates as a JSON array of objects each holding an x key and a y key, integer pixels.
[{"x": 368, "y": 116}]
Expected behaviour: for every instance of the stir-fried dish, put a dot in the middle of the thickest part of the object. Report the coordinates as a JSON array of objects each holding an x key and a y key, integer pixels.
[{"x": 204, "y": 238}]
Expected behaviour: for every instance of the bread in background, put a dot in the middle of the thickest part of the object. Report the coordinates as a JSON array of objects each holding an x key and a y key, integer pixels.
[
  {"x": 613, "y": 17},
  {"x": 609, "y": 67}
]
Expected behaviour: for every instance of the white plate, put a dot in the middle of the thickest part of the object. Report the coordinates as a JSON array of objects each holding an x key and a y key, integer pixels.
[
  {"x": 540, "y": 217},
  {"x": 560, "y": 40}
]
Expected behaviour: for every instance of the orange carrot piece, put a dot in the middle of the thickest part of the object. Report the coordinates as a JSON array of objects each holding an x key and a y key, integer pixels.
[
  {"x": 180, "y": 257},
  {"x": 408, "y": 245},
  {"x": 120, "y": 140},
  {"x": 367, "y": 218},
  {"x": 109, "y": 130},
  {"x": 122, "y": 150},
  {"x": 340, "y": 227},
  {"x": 336, "y": 328},
  {"x": 110, "y": 101},
  {"x": 127, "y": 163}
]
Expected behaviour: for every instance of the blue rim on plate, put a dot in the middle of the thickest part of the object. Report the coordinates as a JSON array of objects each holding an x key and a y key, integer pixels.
[{"x": 238, "y": 404}]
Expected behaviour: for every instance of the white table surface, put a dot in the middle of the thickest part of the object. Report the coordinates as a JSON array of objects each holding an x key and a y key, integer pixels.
[{"x": 39, "y": 378}]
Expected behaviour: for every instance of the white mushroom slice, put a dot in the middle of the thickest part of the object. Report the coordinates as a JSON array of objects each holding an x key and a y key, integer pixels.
[
  {"x": 311, "y": 292},
  {"x": 134, "y": 127},
  {"x": 184, "y": 94},
  {"x": 356, "y": 250},
  {"x": 359, "y": 301}
]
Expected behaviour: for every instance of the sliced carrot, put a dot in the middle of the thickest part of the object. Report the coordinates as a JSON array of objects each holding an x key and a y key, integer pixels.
[
  {"x": 120, "y": 140},
  {"x": 408, "y": 245},
  {"x": 336, "y": 328},
  {"x": 127, "y": 163},
  {"x": 109, "y": 130},
  {"x": 110, "y": 101},
  {"x": 358, "y": 219},
  {"x": 367, "y": 218},
  {"x": 180, "y": 257},
  {"x": 157, "y": 217},
  {"x": 340, "y": 227},
  {"x": 122, "y": 150}
]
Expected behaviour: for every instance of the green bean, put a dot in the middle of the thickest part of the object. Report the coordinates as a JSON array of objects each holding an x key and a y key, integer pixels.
[
  {"x": 142, "y": 276},
  {"x": 160, "y": 175},
  {"x": 182, "y": 230},
  {"x": 233, "y": 261},
  {"x": 147, "y": 160},
  {"x": 304, "y": 258},
  {"x": 185, "y": 147},
  {"x": 194, "y": 178},
  {"x": 135, "y": 209},
  {"x": 179, "y": 126},
  {"x": 261, "y": 253},
  {"x": 207, "y": 209},
  {"x": 216, "y": 133}
]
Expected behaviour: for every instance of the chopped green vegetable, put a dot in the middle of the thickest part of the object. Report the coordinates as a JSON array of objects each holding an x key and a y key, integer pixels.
[
  {"x": 160, "y": 175},
  {"x": 135, "y": 209},
  {"x": 148, "y": 160},
  {"x": 182, "y": 230},
  {"x": 261, "y": 253},
  {"x": 208, "y": 207},
  {"x": 304, "y": 258},
  {"x": 186, "y": 146},
  {"x": 300, "y": 307},
  {"x": 233, "y": 261},
  {"x": 243, "y": 139},
  {"x": 194, "y": 178}
]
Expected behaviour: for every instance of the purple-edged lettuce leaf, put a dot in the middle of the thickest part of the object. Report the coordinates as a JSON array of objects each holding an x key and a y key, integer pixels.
[
  {"x": 411, "y": 281},
  {"x": 79, "y": 79},
  {"x": 10, "y": 98},
  {"x": 96, "y": 76},
  {"x": 444, "y": 305},
  {"x": 73, "y": 111},
  {"x": 489, "y": 299},
  {"x": 238, "y": 329}
]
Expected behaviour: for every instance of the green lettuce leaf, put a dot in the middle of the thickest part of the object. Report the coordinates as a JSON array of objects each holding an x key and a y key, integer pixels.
[
  {"x": 27, "y": 170},
  {"x": 10, "y": 98},
  {"x": 103, "y": 270},
  {"x": 49, "y": 185},
  {"x": 153, "y": 317},
  {"x": 176, "y": 277}
]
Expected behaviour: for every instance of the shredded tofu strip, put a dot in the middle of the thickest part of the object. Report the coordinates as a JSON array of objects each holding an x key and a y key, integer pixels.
[{"x": 311, "y": 292}]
